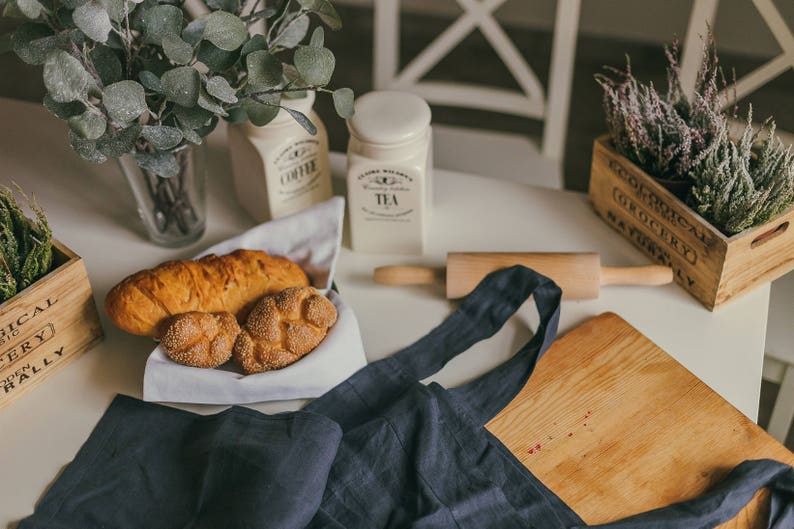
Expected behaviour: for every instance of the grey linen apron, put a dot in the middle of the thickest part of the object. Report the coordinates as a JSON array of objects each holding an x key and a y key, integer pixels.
[{"x": 381, "y": 450}]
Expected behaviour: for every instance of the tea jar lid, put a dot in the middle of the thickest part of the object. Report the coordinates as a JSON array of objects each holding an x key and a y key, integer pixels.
[{"x": 389, "y": 117}]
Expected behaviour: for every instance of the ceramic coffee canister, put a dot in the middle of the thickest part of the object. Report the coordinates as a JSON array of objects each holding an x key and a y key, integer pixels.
[{"x": 280, "y": 168}]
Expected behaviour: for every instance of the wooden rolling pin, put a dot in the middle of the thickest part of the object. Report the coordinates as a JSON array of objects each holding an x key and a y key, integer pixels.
[{"x": 580, "y": 275}]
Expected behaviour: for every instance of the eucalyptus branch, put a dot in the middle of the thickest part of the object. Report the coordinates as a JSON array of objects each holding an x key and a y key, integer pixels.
[
  {"x": 128, "y": 40},
  {"x": 284, "y": 8},
  {"x": 257, "y": 95}
]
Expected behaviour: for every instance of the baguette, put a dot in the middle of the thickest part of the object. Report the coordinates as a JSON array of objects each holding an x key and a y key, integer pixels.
[{"x": 142, "y": 302}]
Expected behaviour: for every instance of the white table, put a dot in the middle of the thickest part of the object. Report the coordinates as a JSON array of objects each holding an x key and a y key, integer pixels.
[{"x": 92, "y": 212}]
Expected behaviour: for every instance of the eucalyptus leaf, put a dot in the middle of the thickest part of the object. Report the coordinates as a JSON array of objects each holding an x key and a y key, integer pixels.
[
  {"x": 87, "y": 149},
  {"x": 63, "y": 110},
  {"x": 302, "y": 120},
  {"x": 315, "y": 65},
  {"x": 31, "y": 42},
  {"x": 162, "y": 137},
  {"x": 160, "y": 163},
  {"x": 294, "y": 31},
  {"x": 106, "y": 63},
  {"x": 192, "y": 118},
  {"x": 219, "y": 88},
  {"x": 225, "y": 30},
  {"x": 343, "y": 102},
  {"x": 255, "y": 43},
  {"x": 318, "y": 37},
  {"x": 118, "y": 143},
  {"x": 325, "y": 11},
  {"x": 216, "y": 59},
  {"x": 156, "y": 64},
  {"x": 181, "y": 85},
  {"x": 30, "y": 8},
  {"x": 177, "y": 49},
  {"x": 115, "y": 42},
  {"x": 264, "y": 71},
  {"x": 125, "y": 101},
  {"x": 206, "y": 102},
  {"x": 192, "y": 136},
  {"x": 208, "y": 128},
  {"x": 194, "y": 30},
  {"x": 90, "y": 125},
  {"x": 93, "y": 20},
  {"x": 11, "y": 10},
  {"x": 261, "y": 114},
  {"x": 224, "y": 5},
  {"x": 295, "y": 94},
  {"x": 150, "y": 81},
  {"x": 116, "y": 9},
  {"x": 237, "y": 115},
  {"x": 161, "y": 20},
  {"x": 65, "y": 78},
  {"x": 293, "y": 77}
]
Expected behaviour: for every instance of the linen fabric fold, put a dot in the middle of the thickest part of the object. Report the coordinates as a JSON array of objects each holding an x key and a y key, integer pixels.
[{"x": 380, "y": 450}]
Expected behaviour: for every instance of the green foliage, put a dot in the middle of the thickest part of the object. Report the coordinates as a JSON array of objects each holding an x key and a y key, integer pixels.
[
  {"x": 25, "y": 244},
  {"x": 740, "y": 184},
  {"x": 735, "y": 186},
  {"x": 140, "y": 77}
]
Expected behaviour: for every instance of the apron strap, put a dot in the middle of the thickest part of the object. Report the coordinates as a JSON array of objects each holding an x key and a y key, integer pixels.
[
  {"x": 488, "y": 394},
  {"x": 724, "y": 501},
  {"x": 480, "y": 316}
]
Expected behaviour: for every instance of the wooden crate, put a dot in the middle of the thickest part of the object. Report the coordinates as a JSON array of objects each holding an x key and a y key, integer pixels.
[
  {"x": 712, "y": 266},
  {"x": 46, "y": 326}
]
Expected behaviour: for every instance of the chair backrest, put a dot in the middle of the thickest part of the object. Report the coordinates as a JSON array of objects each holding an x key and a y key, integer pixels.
[
  {"x": 702, "y": 17},
  {"x": 532, "y": 101}
]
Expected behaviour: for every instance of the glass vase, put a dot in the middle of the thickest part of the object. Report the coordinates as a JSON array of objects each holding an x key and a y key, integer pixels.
[{"x": 173, "y": 210}]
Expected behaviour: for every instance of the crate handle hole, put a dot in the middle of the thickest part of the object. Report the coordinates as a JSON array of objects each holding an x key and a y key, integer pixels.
[{"x": 769, "y": 235}]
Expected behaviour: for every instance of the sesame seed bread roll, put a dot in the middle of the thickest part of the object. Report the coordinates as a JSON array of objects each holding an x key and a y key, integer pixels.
[
  {"x": 140, "y": 303},
  {"x": 283, "y": 328},
  {"x": 199, "y": 339}
]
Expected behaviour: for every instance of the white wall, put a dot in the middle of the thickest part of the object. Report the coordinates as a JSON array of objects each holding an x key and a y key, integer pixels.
[{"x": 739, "y": 28}]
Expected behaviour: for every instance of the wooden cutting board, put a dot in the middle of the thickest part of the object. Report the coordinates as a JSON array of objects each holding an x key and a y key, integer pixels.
[{"x": 615, "y": 426}]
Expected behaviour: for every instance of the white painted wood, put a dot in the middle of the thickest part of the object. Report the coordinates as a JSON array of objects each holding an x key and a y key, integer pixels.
[
  {"x": 436, "y": 50},
  {"x": 531, "y": 101},
  {"x": 509, "y": 156},
  {"x": 700, "y": 19},
  {"x": 703, "y": 14},
  {"x": 386, "y": 48},
  {"x": 481, "y": 97},
  {"x": 758, "y": 77},
  {"x": 91, "y": 210},
  {"x": 561, "y": 78},
  {"x": 506, "y": 51},
  {"x": 783, "y": 411},
  {"x": 773, "y": 369}
]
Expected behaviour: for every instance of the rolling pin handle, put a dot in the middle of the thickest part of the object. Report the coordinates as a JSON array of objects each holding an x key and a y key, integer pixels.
[
  {"x": 636, "y": 275},
  {"x": 407, "y": 275}
]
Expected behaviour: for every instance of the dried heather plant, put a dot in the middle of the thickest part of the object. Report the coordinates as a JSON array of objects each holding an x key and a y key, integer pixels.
[
  {"x": 25, "y": 244},
  {"x": 737, "y": 186},
  {"x": 664, "y": 133}
]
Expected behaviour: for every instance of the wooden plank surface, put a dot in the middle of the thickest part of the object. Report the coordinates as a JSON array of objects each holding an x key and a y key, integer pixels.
[{"x": 615, "y": 426}]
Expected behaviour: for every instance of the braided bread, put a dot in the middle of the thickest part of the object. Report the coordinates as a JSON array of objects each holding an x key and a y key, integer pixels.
[
  {"x": 283, "y": 328},
  {"x": 199, "y": 339},
  {"x": 142, "y": 302}
]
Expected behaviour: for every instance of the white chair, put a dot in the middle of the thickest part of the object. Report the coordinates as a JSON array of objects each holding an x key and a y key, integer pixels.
[
  {"x": 779, "y": 357},
  {"x": 487, "y": 153}
]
